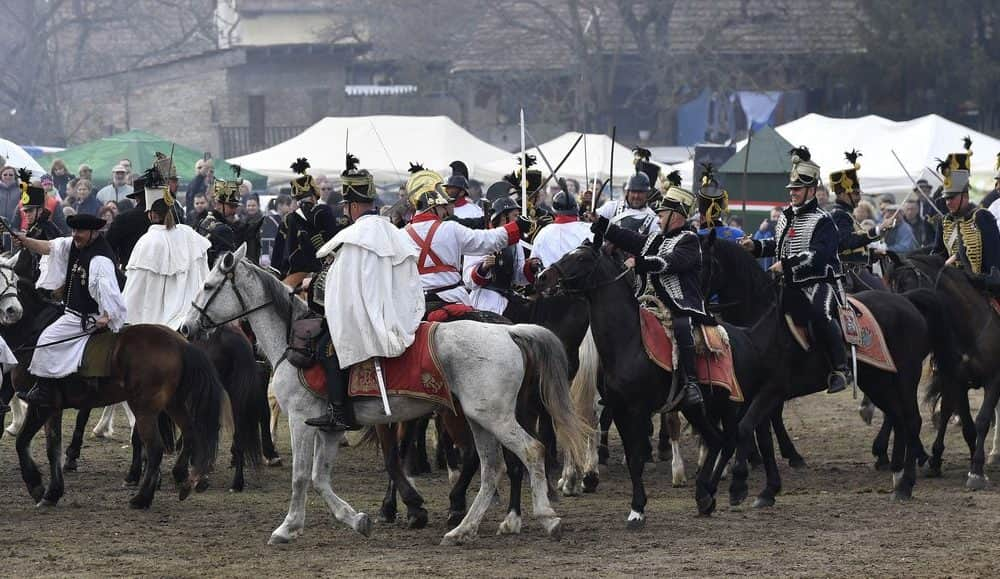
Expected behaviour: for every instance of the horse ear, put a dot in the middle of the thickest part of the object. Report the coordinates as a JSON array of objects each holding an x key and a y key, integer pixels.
[{"x": 241, "y": 251}]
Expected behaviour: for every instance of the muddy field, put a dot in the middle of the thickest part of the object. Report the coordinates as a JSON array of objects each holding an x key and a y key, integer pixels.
[{"x": 833, "y": 518}]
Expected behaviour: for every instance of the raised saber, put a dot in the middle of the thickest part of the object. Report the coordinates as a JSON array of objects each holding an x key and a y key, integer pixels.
[
  {"x": 562, "y": 162},
  {"x": 586, "y": 173},
  {"x": 381, "y": 387},
  {"x": 541, "y": 153},
  {"x": 916, "y": 188},
  {"x": 524, "y": 170}
]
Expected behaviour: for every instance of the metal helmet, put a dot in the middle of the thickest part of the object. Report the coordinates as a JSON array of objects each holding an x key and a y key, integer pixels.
[
  {"x": 424, "y": 189},
  {"x": 458, "y": 181},
  {"x": 564, "y": 204},
  {"x": 638, "y": 182},
  {"x": 501, "y": 206}
]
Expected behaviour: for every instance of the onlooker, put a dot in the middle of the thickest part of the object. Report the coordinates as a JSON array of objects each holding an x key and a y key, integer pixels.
[
  {"x": 326, "y": 188},
  {"x": 766, "y": 231},
  {"x": 118, "y": 189},
  {"x": 10, "y": 196},
  {"x": 899, "y": 239},
  {"x": 84, "y": 202},
  {"x": 251, "y": 210},
  {"x": 112, "y": 207},
  {"x": 823, "y": 197},
  {"x": 864, "y": 210},
  {"x": 198, "y": 209},
  {"x": 923, "y": 231},
  {"x": 60, "y": 176},
  {"x": 107, "y": 213},
  {"x": 736, "y": 222},
  {"x": 204, "y": 178},
  {"x": 53, "y": 201},
  {"x": 84, "y": 172}
]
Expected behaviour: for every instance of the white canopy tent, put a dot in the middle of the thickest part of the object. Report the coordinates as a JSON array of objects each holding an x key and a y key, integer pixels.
[
  {"x": 18, "y": 157},
  {"x": 918, "y": 143},
  {"x": 385, "y": 145},
  {"x": 595, "y": 164}
]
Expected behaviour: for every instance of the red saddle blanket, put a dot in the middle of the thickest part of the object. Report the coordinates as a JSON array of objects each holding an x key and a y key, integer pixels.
[
  {"x": 714, "y": 356},
  {"x": 416, "y": 374},
  {"x": 872, "y": 350}
]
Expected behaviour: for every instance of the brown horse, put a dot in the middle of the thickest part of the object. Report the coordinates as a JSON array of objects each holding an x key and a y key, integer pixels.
[{"x": 155, "y": 370}]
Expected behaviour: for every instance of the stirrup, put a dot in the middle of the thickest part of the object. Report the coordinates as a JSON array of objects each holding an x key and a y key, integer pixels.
[{"x": 332, "y": 421}]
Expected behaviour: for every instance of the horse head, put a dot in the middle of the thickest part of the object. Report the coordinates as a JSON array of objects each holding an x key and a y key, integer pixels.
[
  {"x": 574, "y": 272},
  {"x": 10, "y": 306},
  {"x": 230, "y": 292}
]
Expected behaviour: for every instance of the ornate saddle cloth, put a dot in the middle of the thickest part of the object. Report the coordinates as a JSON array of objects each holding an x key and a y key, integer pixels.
[
  {"x": 714, "y": 355},
  {"x": 872, "y": 349},
  {"x": 97, "y": 355},
  {"x": 416, "y": 374}
]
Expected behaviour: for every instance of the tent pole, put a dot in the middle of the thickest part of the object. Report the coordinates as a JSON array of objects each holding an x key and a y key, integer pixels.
[{"x": 746, "y": 162}]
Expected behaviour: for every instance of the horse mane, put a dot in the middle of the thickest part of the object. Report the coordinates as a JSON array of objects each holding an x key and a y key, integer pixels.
[
  {"x": 286, "y": 304},
  {"x": 737, "y": 263}
]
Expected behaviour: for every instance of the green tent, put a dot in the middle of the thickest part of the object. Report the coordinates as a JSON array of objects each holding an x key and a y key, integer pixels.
[
  {"x": 139, "y": 147},
  {"x": 766, "y": 176}
]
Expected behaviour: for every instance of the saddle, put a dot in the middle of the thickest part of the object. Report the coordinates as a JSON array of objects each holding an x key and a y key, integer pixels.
[
  {"x": 97, "y": 355},
  {"x": 714, "y": 356},
  {"x": 861, "y": 330},
  {"x": 303, "y": 341}
]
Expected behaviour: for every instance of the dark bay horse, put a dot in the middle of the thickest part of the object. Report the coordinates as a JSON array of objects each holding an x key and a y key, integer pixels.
[
  {"x": 914, "y": 326},
  {"x": 975, "y": 327},
  {"x": 155, "y": 370}
]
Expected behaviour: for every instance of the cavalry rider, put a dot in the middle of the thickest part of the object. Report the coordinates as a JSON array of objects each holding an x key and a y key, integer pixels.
[
  {"x": 632, "y": 212},
  {"x": 219, "y": 224},
  {"x": 38, "y": 226},
  {"x": 967, "y": 235},
  {"x": 466, "y": 212},
  {"x": 494, "y": 276},
  {"x": 805, "y": 243},
  {"x": 304, "y": 230},
  {"x": 672, "y": 261},
  {"x": 128, "y": 226},
  {"x": 713, "y": 205},
  {"x": 84, "y": 266},
  {"x": 169, "y": 264},
  {"x": 442, "y": 244},
  {"x": 565, "y": 234},
  {"x": 853, "y": 239},
  {"x": 372, "y": 293}
]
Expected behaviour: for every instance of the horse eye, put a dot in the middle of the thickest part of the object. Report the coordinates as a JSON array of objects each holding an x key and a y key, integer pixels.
[{"x": 208, "y": 287}]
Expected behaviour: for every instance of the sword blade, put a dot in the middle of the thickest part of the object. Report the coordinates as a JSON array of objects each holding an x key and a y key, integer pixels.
[{"x": 381, "y": 387}]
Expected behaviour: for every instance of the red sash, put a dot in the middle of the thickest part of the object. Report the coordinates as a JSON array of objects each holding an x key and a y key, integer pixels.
[{"x": 426, "y": 252}]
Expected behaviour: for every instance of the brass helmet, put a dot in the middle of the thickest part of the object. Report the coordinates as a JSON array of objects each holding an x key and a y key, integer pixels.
[
  {"x": 425, "y": 188},
  {"x": 674, "y": 198},
  {"x": 955, "y": 170},
  {"x": 227, "y": 191}
]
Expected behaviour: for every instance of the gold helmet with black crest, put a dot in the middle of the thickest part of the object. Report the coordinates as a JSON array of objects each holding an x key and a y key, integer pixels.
[
  {"x": 357, "y": 185},
  {"x": 713, "y": 199},
  {"x": 32, "y": 196},
  {"x": 956, "y": 169},
  {"x": 227, "y": 191},
  {"x": 425, "y": 188},
  {"x": 303, "y": 186},
  {"x": 846, "y": 181}
]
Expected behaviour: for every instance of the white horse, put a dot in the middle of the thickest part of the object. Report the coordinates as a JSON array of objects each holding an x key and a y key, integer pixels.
[
  {"x": 485, "y": 365},
  {"x": 10, "y": 313}
]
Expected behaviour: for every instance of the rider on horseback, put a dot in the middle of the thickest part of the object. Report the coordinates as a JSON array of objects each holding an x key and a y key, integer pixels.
[
  {"x": 565, "y": 234},
  {"x": 632, "y": 212},
  {"x": 713, "y": 205},
  {"x": 672, "y": 260},
  {"x": 218, "y": 225},
  {"x": 967, "y": 235},
  {"x": 805, "y": 244},
  {"x": 371, "y": 293},
  {"x": 39, "y": 226},
  {"x": 853, "y": 238},
  {"x": 84, "y": 266}
]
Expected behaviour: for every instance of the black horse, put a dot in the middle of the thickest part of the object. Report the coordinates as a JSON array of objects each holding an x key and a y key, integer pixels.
[
  {"x": 976, "y": 329},
  {"x": 914, "y": 325},
  {"x": 633, "y": 387}
]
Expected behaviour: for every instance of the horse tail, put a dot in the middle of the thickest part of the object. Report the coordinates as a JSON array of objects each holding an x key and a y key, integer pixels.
[
  {"x": 243, "y": 384},
  {"x": 545, "y": 354},
  {"x": 947, "y": 356},
  {"x": 203, "y": 398},
  {"x": 584, "y": 387}
]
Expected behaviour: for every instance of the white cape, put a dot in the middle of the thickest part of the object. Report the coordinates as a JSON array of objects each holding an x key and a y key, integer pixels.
[
  {"x": 374, "y": 300},
  {"x": 165, "y": 272}
]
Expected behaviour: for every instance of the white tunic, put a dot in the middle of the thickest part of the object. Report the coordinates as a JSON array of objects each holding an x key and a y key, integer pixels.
[
  {"x": 372, "y": 294},
  {"x": 7, "y": 359},
  {"x": 451, "y": 241},
  {"x": 617, "y": 210},
  {"x": 558, "y": 239},
  {"x": 64, "y": 359},
  {"x": 468, "y": 210},
  {"x": 488, "y": 300},
  {"x": 165, "y": 272}
]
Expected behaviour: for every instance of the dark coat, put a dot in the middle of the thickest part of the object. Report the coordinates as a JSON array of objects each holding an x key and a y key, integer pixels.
[
  {"x": 125, "y": 231},
  {"x": 806, "y": 242},
  {"x": 850, "y": 243}
]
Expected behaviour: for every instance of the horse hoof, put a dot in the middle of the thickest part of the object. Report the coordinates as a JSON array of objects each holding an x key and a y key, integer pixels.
[
  {"x": 364, "y": 525},
  {"x": 976, "y": 482},
  {"x": 554, "y": 529},
  {"x": 236, "y": 489},
  {"x": 140, "y": 502},
  {"x": 736, "y": 499},
  {"x": 590, "y": 481},
  {"x": 797, "y": 462},
  {"x": 636, "y": 521},
  {"x": 184, "y": 491},
  {"x": 69, "y": 465},
  {"x": 763, "y": 502},
  {"x": 882, "y": 463},
  {"x": 37, "y": 493},
  {"x": 130, "y": 482},
  {"x": 280, "y": 540},
  {"x": 202, "y": 485},
  {"x": 451, "y": 540},
  {"x": 46, "y": 503},
  {"x": 455, "y": 518},
  {"x": 867, "y": 412},
  {"x": 706, "y": 505},
  {"x": 417, "y": 520},
  {"x": 933, "y": 471},
  {"x": 273, "y": 462},
  {"x": 902, "y": 496}
]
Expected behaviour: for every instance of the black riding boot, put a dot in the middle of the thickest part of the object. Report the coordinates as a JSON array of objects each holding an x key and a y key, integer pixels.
[
  {"x": 41, "y": 394},
  {"x": 337, "y": 417},
  {"x": 687, "y": 365},
  {"x": 834, "y": 342}
]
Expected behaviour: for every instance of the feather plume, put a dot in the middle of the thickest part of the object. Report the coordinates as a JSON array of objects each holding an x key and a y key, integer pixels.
[
  {"x": 674, "y": 178},
  {"x": 152, "y": 177},
  {"x": 640, "y": 153},
  {"x": 300, "y": 165},
  {"x": 942, "y": 166},
  {"x": 416, "y": 168},
  {"x": 24, "y": 175},
  {"x": 800, "y": 154},
  {"x": 351, "y": 163},
  {"x": 529, "y": 160},
  {"x": 237, "y": 170},
  {"x": 967, "y": 142},
  {"x": 852, "y": 157}
]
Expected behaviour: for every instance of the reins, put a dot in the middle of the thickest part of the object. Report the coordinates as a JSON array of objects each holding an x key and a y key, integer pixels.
[
  {"x": 203, "y": 310},
  {"x": 563, "y": 288}
]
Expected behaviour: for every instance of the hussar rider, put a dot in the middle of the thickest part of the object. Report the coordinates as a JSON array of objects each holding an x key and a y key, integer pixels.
[
  {"x": 632, "y": 212},
  {"x": 672, "y": 262},
  {"x": 713, "y": 205},
  {"x": 84, "y": 266},
  {"x": 805, "y": 243},
  {"x": 853, "y": 239}
]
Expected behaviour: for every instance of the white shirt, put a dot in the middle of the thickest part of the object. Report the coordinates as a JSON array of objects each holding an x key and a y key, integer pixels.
[
  {"x": 994, "y": 208},
  {"x": 557, "y": 239},
  {"x": 468, "y": 210},
  {"x": 450, "y": 243},
  {"x": 486, "y": 299},
  {"x": 110, "y": 193},
  {"x": 617, "y": 210}
]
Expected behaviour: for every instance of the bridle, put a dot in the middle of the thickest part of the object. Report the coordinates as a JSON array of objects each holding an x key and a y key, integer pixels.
[
  {"x": 206, "y": 321},
  {"x": 586, "y": 277},
  {"x": 919, "y": 274},
  {"x": 10, "y": 282}
]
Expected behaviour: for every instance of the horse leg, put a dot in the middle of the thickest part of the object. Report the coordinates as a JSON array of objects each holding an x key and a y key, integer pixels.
[
  {"x": 880, "y": 446},
  {"x": 53, "y": 450},
  {"x": 416, "y": 514},
  {"x": 968, "y": 424},
  {"x": 670, "y": 423},
  {"x": 390, "y": 460},
  {"x": 327, "y": 448},
  {"x": 303, "y": 441},
  {"x": 773, "y": 478},
  {"x": 275, "y": 413},
  {"x": 456, "y": 498},
  {"x": 704, "y": 491},
  {"x": 511, "y": 525},
  {"x": 785, "y": 444},
  {"x": 489, "y": 454},
  {"x": 994, "y": 458},
  {"x": 239, "y": 482},
  {"x": 937, "y": 450},
  {"x": 135, "y": 467},
  {"x": 419, "y": 451},
  {"x": 603, "y": 452},
  {"x": 632, "y": 427},
  {"x": 34, "y": 420},
  {"x": 149, "y": 432},
  {"x": 977, "y": 479},
  {"x": 761, "y": 410},
  {"x": 73, "y": 450},
  {"x": 105, "y": 427},
  {"x": 866, "y": 409}
]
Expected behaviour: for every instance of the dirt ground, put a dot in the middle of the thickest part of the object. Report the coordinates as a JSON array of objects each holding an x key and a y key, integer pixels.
[{"x": 833, "y": 518}]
